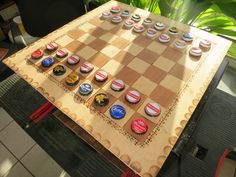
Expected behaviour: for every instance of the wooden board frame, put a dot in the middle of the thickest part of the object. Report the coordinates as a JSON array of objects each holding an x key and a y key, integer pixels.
[{"x": 146, "y": 160}]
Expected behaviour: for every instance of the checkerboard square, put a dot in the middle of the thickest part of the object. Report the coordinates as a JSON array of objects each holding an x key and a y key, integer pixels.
[
  {"x": 172, "y": 54},
  {"x": 157, "y": 47},
  {"x": 141, "y": 111},
  {"x": 75, "y": 33},
  {"x": 64, "y": 40},
  {"x": 120, "y": 43},
  {"x": 150, "y": 125},
  {"x": 60, "y": 78},
  {"x": 110, "y": 51},
  {"x": 138, "y": 65},
  {"x": 86, "y": 75},
  {"x": 144, "y": 85},
  {"x": 129, "y": 113},
  {"x": 187, "y": 62},
  {"x": 129, "y": 35},
  {"x": 128, "y": 75},
  {"x": 133, "y": 49},
  {"x": 86, "y": 38},
  {"x": 97, "y": 32},
  {"x": 116, "y": 94},
  {"x": 97, "y": 21},
  {"x": 74, "y": 46},
  {"x": 148, "y": 56},
  {"x": 181, "y": 72},
  {"x": 163, "y": 96},
  {"x": 86, "y": 27},
  {"x": 107, "y": 25},
  {"x": 98, "y": 44},
  {"x": 155, "y": 74},
  {"x": 142, "y": 41},
  {"x": 172, "y": 83},
  {"x": 99, "y": 60},
  {"x": 108, "y": 37},
  {"x": 123, "y": 57},
  {"x": 87, "y": 52},
  {"x": 164, "y": 63},
  {"x": 118, "y": 30},
  {"x": 113, "y": 67}
]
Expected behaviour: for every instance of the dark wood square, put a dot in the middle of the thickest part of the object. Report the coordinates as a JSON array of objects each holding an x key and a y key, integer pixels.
[
  {"x": 74, "y": 46},
  {"x": 142, "y": 41},
  {"x": 162, "y": 96},
  {"x": 155, "y": 74},
  {"x": 75, "y": 33},
  {"x": 123, "y": 57},
  {"x": 172, "y": 54},
  {"x": 128, "y": 75},
  {"x": 148, "y": 56},
  {"x": 181, "y": 72},
  {"x": 99, "y": 60},
  {"x": 98, "y": 44}
]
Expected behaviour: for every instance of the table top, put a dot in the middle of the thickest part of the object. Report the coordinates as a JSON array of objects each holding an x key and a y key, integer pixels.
[{"x": 159, "y": 71}]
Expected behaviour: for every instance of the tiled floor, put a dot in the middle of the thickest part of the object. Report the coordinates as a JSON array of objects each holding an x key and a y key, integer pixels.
[{"x": 20, "y": 156}]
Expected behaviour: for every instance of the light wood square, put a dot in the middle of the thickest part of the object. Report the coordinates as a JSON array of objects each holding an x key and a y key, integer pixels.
[
  {"x": 87, "y": 52},
  {"x": 110, "y": 51},
  {"x": 187, "y": 62},
  {"x": 86, "y": 97},
  {"x": 164, "y": 63},
  {"x": 138, "y": 65},
  {"x": 107, "y": 25},
  {"x": 141, "y": 110},
  {"x": 108, "y": 37},
  {"x": 172, "y": 83},
  {"x": 129, "y": 35},
  {"x": 86, "y": 38},
  {"x": 133, "y": 49},
  {"x": 157, "y": 47},
  {"x": 128, "y": 115},
  {"x": 87, "y": 27},
  {"x": 113, "y": 67},
  {"x": 144, "y": 85},
  {"x": 116, "y": 94},
  {"x": 64, "y": 40}
]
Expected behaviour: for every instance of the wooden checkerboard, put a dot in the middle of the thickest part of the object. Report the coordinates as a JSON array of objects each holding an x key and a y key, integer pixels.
[{"x": 159, "y": 71}]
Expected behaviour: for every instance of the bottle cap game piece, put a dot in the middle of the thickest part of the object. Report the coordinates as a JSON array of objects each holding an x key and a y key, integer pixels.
[
  {"x": 46, "y": 62},
  {"x": 61, "y": 53},
  {"x": 101, "y": 76},
  {"x": 85, "y": 89},
  {"x": 116, "y": 19},
  {"x": 72, "y": 60},
  {"x": 173, "y": 31},
  {"x": 125, "y": 14},
  {"x": 106, "y": 15},
  {"x": 37, "y": 54},
  {"x": 133, "y": 96},
  {"x": 101, "y": 99},
  {"x": 180, "y": 44},
  {"x": 129, "y": 23},
  {"x": 152, "y": 109},
  {"x": 164, "y": 38},
  {"x": 151, "y": 32},
  {"x": 187, "y": 37},
  {"x": 138, "y": 28},
  {"x": 195, "y": 51},
  {"x": 51, "y": 46},
  {"x": 72, "y": 79},
  {"x": 205, "y": 43},
  {"x": 139, "y": 126},
  {"x": 86, "y": 67},
  {"x": 136, "y": 17},
  {"x": 159, "y": 26},
  {"x": 147, "y": 21},
  {"x": 117, "y": 112},
  {"x": 117, "y": 85},
  {"x": 59, "y": 70},
  {"x": 115, "y": 9}
]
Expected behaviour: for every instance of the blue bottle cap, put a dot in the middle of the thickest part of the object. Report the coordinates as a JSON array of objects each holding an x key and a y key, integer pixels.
[
  {"x": 85, "y": 89},
  {"x": 117, "y": 111},
  {"x": 47, "y": 62}
]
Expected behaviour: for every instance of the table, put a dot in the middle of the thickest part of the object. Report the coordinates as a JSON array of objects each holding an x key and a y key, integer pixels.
[{"x": 184, "y": 84}]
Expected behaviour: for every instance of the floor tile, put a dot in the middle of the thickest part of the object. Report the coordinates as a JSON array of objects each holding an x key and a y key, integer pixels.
[
  {"x": 5, "y": 118},
  {"x": 16, "y": 139},
  {"x": 41, "y": 164},
  {"x": 7, "y": 160},
  {"x": 17, "y": 171}
]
